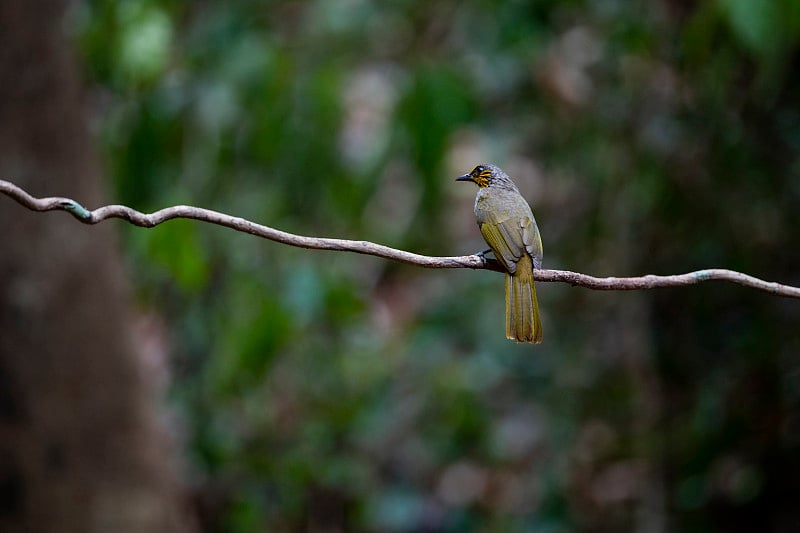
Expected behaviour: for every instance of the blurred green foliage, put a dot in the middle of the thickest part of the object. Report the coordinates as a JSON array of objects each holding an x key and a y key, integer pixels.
[{"x": 329, "y": 391}]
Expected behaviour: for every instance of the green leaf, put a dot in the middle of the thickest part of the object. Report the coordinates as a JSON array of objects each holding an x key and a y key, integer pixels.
[{"x": 756, "y": 23}]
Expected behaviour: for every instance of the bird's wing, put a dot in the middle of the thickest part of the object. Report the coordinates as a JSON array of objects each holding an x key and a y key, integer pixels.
[
  {"x": 505, "y": 238},
  {"x": 532, "y": 240}
]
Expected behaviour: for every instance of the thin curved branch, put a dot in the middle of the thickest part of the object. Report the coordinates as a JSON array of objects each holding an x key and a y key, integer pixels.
[{"x": 476, "y": 262}]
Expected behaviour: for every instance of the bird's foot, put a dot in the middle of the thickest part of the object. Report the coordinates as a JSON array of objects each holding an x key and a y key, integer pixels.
[{"x": 482, "y": 255}]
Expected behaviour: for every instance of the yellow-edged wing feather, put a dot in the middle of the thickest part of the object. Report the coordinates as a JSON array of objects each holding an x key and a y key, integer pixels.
[{"x": 517, "y": 242}]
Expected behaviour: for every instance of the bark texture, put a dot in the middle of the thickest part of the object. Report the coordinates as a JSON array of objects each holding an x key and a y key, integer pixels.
[{"x": 81, "y": 445}]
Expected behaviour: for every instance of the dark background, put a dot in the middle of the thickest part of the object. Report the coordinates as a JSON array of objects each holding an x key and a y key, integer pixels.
[{"x": 322, "y": 391}]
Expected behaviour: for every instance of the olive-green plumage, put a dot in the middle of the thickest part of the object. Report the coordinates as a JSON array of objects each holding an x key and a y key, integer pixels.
[{"x": 507, "y": 224}]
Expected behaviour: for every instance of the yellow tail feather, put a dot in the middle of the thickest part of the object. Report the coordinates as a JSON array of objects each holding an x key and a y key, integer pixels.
[{"x": 522, "y": 309}]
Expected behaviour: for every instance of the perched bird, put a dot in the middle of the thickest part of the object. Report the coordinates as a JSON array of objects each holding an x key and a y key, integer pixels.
[{"x": 507, "y": 224}]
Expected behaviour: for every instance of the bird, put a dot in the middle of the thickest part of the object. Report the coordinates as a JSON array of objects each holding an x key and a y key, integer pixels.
[{"x": 506, "y": 222}]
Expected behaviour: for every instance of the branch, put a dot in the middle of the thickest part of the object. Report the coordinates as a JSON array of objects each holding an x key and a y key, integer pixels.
[{"x": 476, "y": 262}]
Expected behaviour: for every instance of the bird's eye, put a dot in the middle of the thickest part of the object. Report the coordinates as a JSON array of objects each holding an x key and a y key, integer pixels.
[{"x": 479, "y": 169}]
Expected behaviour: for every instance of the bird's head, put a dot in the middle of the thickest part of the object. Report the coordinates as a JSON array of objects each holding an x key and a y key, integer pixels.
[{"x": 487, "y": 175}]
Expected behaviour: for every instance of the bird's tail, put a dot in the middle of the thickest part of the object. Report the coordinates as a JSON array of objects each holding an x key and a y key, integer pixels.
[{"x": 522, "y": 310}]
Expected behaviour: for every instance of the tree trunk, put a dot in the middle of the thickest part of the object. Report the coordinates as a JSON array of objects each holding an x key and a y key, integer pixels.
[{"x": 81, "y": 445}]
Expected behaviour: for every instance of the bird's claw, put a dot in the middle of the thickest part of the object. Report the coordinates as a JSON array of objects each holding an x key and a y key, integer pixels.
[{"x": 482, "y": 255}]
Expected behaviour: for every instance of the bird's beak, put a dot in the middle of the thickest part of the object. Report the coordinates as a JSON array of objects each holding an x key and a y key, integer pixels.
[{"x": 465, "y": 177}]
